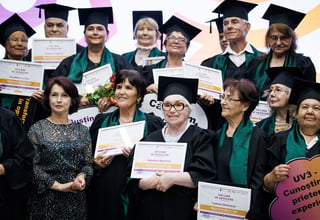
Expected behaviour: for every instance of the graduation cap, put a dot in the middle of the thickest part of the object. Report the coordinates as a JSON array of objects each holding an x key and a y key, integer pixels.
[
  {"x": 187, "y": 87},
  {"x": 176, "y": 24},
  {"x": 219, "y": 23},
  {"x": 55, "y": 11},
  {"x": 234, "y": 8},
  {"x": 11, "y": 25},
  {"x": 284, "y": 75},
  {"x": 156, "y": 15},
  {"x": 304, "y": 89},
  {"x": 102, "y": 15},
  {"x": 278, "y": 14}
]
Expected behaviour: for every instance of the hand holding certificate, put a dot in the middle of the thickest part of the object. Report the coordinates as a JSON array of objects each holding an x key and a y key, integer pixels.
[
  {"x": 152, "y": 157},
  {"x": 111, "y": 140}
]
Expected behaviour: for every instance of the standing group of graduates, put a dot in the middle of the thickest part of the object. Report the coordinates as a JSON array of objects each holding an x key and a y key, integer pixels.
[{"x": 48, "y": 169}]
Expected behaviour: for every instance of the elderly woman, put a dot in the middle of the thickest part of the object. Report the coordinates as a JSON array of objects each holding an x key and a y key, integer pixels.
[
  {"x": 166, "y": 196},
  {"x": 302, "y": 140},
  {"x": 96, "y": 54},
  {"x": 105, "y": 190},
  {"x": 177, "y": 41},
  {"x": 62, "y": 163},
  {"x": 146, "y": 32},
  {"x": 240, "y": 146},
  {"x": 283, "y": 114},
  {"x": 14, "y": 35},
  {"x": 282, "y": 42}
]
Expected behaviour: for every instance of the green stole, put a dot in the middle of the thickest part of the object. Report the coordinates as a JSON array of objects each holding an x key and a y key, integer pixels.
[
  {"x": 268, "y": 124},
  {"x": 261, "y": 76},
  {"x": 296, "y": 145},
  {"x": 155, "y": 52},
  {"x": 240, "y": 149},
  {"x": 113, "y": 119},
  {"x": 80, "y": 63},
  {"x": 221, "y": 61}
]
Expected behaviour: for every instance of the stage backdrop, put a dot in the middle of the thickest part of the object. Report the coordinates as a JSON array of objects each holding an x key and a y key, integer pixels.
[{"x": 197, "y": 12}]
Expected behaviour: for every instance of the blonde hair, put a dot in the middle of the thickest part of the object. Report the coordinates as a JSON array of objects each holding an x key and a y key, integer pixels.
[{"x": 146, "y": 20}]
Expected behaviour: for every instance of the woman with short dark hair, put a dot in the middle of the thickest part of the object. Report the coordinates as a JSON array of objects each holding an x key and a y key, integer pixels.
[{"x": 62, "y": 163}]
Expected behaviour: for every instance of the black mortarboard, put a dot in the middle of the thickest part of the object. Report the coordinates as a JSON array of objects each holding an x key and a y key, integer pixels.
[
  {"x": 284, "y": 75},
  {"x": 219, "y": 23},
  {"x": 13, "y": 24},
  {"x": 186, "y": 87},
  {"x": 176, "y": 24},
  {"x": 55, "y": 11},
  {"x": 102, "y": 15},
  {"x": 156, "y": 15},
  {"x": 303, "y": 89},
  {"x": 278, "y": 14},
  {"x": 234, "y": 8}
]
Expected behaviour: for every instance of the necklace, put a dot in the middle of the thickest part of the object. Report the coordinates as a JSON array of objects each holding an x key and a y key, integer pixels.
[{"x": 125, "y": 120}]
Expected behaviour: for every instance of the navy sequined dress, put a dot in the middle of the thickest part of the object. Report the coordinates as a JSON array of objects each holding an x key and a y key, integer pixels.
[{"x": 62, "y": 151}]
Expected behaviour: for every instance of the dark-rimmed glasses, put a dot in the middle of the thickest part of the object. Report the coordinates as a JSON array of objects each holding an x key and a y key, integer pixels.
[{"x": 166, "y": 106}]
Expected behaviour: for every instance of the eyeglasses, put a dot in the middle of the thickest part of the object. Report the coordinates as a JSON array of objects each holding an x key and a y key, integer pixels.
[
  {"x": 281, "y": 38},
  {"x": 228, "y": 98},
  {"x": 173, "y": 39},
  {"x": 276, "y": 91},
  {"x": 177, "y": 106},
  {"x": 16, "y": 40}
]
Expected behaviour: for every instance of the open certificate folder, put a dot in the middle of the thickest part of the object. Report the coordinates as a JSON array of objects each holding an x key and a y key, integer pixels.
[
  {"x": 111, "y": 140},
  {"x": 152, "y": 157},
  {"x": 216, "y": 201}
]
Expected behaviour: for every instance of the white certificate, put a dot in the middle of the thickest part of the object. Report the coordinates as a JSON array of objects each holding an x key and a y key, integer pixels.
[
  {"x": 92, "y": 79},
  {"x": 152, "y": 157},
  {"x": 221, "y": 202},
  {"x": 50, "y": 51},
  {"x": 262, "y": 111},
  {"x": 171, "y": 72},
  {"x": 112, "y": 140},
  {"x": 210, "y": 80},
  {"x": 20, "y": 78}
]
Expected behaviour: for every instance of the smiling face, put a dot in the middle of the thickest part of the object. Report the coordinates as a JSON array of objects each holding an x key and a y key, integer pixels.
[
  {"x": 126, "y": 95},
  {"x": 176, "y": 44},
  {"x": 309, "y": 114},
  {"x": 55, "y": 28},
  {"x": 173, "y": 117},
  {"x": 17, "y": 46},
  {"x": 232, "y": 107},
  {"x": 279, "y": 43},
  {"x": 146, "y": 34},
  {"x": 59, "y": 100},
  {"x": 95, "y": 34},
  {"x": 235, "y": 28}
]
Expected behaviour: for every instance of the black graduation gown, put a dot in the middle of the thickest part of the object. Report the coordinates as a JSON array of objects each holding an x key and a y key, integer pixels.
[
  {"x": 277, "y": 151},
  {"x": 104, "y": 193},
  {"x": 304, "y": 63},
  {"x": 177, "y": 202},
  {"x": 256, "y": 170},
  {"x": 17, "y": 160},
  {"x": 64, "y": 68}
]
